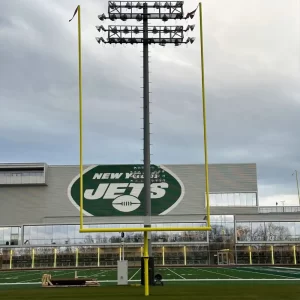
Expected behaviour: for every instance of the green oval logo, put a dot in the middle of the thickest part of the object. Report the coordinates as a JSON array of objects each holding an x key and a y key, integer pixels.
[{"x": 118, "y": 190}]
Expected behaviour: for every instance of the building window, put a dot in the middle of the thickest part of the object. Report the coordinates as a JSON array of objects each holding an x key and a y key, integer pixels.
[
  {"x": 10, "y": 235},
  {"x": 233, "y": 199},
  {"x": 21, "y": 177},
  {"x": 69, "y": 234},
  {"x": 268, "y": 231}
]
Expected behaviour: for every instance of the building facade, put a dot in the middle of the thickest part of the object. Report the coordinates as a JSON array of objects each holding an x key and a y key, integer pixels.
[{"x": 39, "y": 209}]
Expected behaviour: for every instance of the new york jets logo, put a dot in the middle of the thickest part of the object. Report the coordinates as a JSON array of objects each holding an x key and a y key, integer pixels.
[{"x": 115, "y": 190}]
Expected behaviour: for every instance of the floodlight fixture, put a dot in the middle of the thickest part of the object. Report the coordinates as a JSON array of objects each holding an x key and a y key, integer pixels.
[
  {"x": 165, "y": 18},
  {"x": 126, "y": 30},
  {"x": 102, "y": 17},
  {"x": 167, "y": 5},
  {"x": 99, "y": 40},
  {"x": 128, "y": 5},
  {"x": 112, "y": 5},
  {"x": 99, "y": 28},
  {"x": 133, "y": 41},
  {"x": 190, "y": 40},
  {"x": 139, "y": 17},
  {"x": 163, "y": 43},
  {"x": 139, "y": 5},
  {"x": 112, "y": 17},
  {"x": 156, "y": 5},
  {"x": 190, "y": 27},
  {"x": 114, "y": 30}
]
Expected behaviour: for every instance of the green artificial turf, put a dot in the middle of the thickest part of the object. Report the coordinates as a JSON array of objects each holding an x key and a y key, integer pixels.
[
  {"x": 169, "y": 274},
  {"x": 169, "y": 292},
  {"x": 255, "y": 283}
]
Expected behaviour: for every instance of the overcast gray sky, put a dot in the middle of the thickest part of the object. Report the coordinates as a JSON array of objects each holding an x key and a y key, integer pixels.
[{"x": 252, "y": 69}]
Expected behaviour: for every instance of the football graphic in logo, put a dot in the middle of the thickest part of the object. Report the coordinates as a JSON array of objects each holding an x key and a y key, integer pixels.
[{"x": 126, "y": 203}]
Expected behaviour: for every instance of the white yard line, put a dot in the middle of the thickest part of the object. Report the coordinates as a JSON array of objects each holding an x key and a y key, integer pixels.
[
  {"x": 98, "y": 273},
  {"x": 176, "y": 273},
  {"x": 134, "y": 274},
  {"x": 217, "y": 273}
]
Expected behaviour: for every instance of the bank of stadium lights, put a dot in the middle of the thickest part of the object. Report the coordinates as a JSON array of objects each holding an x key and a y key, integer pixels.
[
  {"x": 161, "y": 35},
  {"x": 144, "y": 11}
]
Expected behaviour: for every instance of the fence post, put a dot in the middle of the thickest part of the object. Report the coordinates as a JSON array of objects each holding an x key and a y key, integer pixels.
[
  {"x": 32, "y": 258},
  {"x": 10, "y": 259},
  {"x": 54, "y": 262},
  {"x": 184, "y": 254},
  {"x": 272, "y": 255},
  {"x": 163, "y": 255},
  {"x": 250, "y": 255},
  {"x": 98, "y": 264},
  {"x": 76, "y": 257},
  {"x": 295, "y": 255}
]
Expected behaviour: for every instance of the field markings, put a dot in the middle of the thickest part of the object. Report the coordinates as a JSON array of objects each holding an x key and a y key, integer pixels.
[
  {"x": 263, "y": 273},
  {"x": 96, "y": 273},
  {"x": 284, "y": 270},
  {"x": 134, "y": 274},
  {"x": 17, "y": 275},
  {"x": 30, "y": 280},
  {"x": 176, "y": 273},
  {"x": 217, "y": 273}
]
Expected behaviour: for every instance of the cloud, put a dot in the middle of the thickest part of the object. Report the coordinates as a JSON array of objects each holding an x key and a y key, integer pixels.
[{"x": 252, "y": 67}]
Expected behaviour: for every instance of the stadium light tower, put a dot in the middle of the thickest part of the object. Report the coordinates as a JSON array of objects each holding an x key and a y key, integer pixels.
[{"x": 143, "y": 11}]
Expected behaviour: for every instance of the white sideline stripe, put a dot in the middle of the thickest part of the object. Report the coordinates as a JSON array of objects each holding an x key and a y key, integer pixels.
[
  {"x": 176, "y": 274},
  {"x": 262, "y": 273},
  {"x": 172, "y": 280},
  {"x": 134, "y": 274},
  {"x": 286, "y": 268}
]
